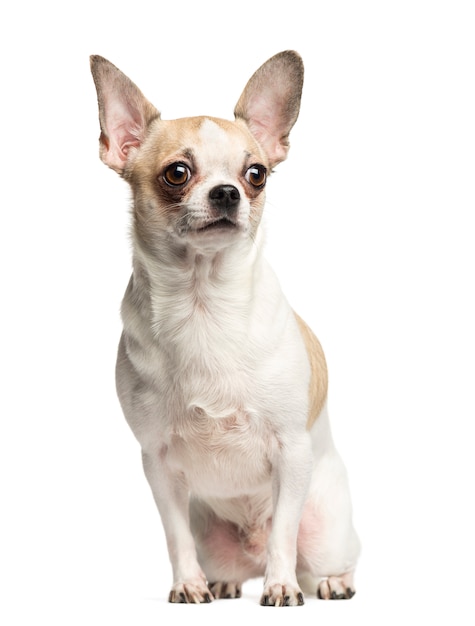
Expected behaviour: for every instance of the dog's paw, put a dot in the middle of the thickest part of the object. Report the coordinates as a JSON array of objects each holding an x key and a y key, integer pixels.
[
  {"x": 225, "y": 590},
  {"x": 281, "y": 595},
  {"x": 335, "y": 588},
  {"x": 190, "y": 593}
]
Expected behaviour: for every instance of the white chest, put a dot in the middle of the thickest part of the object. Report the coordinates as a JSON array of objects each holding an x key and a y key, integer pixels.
[{"x": 223, "y": 457}]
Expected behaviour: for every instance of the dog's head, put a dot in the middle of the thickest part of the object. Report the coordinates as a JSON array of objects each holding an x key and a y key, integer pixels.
[{"x": 199, "y": 180}]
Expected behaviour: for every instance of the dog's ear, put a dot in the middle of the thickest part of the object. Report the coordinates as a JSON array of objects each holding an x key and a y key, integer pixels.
[
  {"x": 270, "y": 103},
  {"x": 124, "y": 113}
]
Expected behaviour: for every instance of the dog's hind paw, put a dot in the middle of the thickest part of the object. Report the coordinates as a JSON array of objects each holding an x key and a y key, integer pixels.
[
  {"x": 189, "y": 593},
  {"x": 336, "y": 588},
  {"x": 225, "y": 590}
]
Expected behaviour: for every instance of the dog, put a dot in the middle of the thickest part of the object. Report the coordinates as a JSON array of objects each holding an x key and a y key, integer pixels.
[{"x": 222, "y": 383}]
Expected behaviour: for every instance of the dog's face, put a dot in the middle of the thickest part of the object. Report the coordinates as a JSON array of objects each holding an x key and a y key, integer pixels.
[{"x": 199, "y": 180}]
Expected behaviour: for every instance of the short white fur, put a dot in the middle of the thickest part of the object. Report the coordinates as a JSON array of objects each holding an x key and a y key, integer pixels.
[{"x": 213, "y": 373}]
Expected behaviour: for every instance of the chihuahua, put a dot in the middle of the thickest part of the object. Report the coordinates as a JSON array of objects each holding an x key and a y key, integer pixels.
[{"x": 222, "y": 383}]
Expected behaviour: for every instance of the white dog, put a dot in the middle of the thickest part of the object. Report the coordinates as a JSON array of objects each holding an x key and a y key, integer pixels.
[{"x": 223, "y": 385}]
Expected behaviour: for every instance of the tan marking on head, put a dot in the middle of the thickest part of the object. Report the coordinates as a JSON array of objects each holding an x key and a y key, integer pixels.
[
  {"x": 216, "y": 151},
  {"x": 213, "y": 139},
  {"x": 319, "y": 374}
]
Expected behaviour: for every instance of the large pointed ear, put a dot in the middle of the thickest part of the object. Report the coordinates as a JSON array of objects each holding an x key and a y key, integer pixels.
[
  {"x": 270, "y": 103},
  {"x": 124, "y": 113}
]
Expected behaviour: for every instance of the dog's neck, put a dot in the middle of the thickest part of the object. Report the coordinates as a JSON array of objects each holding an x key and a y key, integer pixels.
[
  {"x": 199, "y": 312},
  {"x": 189, "y": 286}
]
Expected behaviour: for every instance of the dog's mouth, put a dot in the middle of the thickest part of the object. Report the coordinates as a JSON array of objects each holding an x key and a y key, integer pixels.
[{"x": 223, "y": 223}]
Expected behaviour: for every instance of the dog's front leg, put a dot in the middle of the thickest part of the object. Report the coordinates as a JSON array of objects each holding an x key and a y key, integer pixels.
[
  {"x": 172, "y": 499},
  {"x": 291, "y": 474}
]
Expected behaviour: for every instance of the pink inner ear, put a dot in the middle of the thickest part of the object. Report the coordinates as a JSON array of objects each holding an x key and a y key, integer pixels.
[
  {"x": 124, "y": 139},
  {"x": 268, "y": 124},
  {"x": 124, "y": 126},
  {"x": 274, "y": 145},
  {"x": 129, "y": 144}
]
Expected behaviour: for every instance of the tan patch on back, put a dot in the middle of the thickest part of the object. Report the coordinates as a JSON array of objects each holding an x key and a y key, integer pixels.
[{"x": 319, "y": 374}]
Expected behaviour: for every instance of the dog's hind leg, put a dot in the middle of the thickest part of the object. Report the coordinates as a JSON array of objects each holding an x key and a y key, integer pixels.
[
  {"x": 228, "y": 555},
  {"x": 328, "y": 546}
]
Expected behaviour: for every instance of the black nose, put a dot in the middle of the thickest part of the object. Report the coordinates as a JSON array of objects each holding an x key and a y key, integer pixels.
[{"x": 224, "y": 197}]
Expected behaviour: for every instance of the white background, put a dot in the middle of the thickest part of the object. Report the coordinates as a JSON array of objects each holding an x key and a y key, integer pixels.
[{"x": 371, "y": 230}]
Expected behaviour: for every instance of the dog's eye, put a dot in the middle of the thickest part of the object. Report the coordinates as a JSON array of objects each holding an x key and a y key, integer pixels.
[
  {"x": 176, "y": 174},
  {"x": 256, "y": 175}
]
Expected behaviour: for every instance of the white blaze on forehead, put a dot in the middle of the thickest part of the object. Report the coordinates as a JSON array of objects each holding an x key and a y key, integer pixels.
[
  {"x": 220, "y": 148},
  {"x": 212, "y": 133}
]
